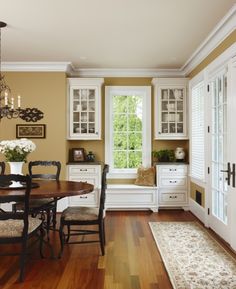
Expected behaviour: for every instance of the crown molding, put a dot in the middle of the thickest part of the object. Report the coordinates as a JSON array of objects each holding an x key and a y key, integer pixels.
[
  {"x": 142, "y": 72},
  {"x": 37, "y": 66},
  {"x": 223, "y": 29}
]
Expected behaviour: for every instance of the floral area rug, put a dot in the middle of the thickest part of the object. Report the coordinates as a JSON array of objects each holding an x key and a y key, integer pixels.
[{"x": 193, "y": 259}]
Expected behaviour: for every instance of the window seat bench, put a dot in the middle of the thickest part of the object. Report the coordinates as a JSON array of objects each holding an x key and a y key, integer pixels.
[{"x": 131, "y": 197}]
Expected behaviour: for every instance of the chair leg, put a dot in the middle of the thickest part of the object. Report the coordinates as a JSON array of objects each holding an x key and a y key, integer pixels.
[
  {"x": 104, "y": 235},
  {"x": 68, "y": 233},
  {"x": 22, "y": 260},
  {"x": 48, "y": 222},
  {"x": 54, "y": 215},
  {"x": 62, "y": 240},
  {"x": 42, "y": 234},
  {"x": 101, "y": 238},
  {"x": 14, "y": 208}
]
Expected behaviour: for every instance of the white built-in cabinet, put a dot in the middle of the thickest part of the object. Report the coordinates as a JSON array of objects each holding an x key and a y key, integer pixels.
[
  {"x": 86, "y": 172},
  {"x": 90, "y": 173},
  {"x": 172, "y": 185},
  {"x": 84, "y": 108},
  {"x": 170, "y": 112}
]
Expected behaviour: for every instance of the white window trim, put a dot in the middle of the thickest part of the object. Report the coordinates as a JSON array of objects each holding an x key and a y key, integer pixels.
[{"x": 146, "y": 92}]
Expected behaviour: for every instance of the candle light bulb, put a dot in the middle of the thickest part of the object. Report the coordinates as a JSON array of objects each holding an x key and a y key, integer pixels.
[
  {"x": 19, "y": 101},
  {"x": 12, "y": 103}
]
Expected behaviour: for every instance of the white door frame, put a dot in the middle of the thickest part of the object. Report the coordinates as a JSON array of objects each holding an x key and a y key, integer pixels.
[
  {"x": 232, "y": 191},
  {"x": 224, "y": 60}
]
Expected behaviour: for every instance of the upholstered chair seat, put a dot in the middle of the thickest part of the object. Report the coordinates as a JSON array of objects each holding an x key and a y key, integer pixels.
[
  {"x": 80, "y": 214},
  {"x": 14, "y": 228}
]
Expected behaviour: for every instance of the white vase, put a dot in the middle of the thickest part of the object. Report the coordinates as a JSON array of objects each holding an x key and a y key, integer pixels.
[{"x": 16, "y": 169}]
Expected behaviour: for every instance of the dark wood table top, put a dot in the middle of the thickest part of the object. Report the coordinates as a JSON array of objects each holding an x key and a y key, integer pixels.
[{"x": 52, "y": 189}]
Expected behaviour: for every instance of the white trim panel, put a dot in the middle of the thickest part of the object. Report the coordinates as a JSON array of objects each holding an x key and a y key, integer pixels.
[{"x": 197, "y": 210}]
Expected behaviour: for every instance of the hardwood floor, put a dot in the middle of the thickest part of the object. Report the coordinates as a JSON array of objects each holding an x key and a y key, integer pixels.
[{"x": 132, "y": 260}]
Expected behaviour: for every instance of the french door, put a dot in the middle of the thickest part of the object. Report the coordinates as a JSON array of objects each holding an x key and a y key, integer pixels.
[
  {"x": 222, "y": 182},
  {"x": 232, "y": 152},
  {"x": 219, "y": 134}
]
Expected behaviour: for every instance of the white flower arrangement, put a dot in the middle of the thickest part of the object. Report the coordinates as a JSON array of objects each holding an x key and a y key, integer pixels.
[{"x": 16, "y": 150}]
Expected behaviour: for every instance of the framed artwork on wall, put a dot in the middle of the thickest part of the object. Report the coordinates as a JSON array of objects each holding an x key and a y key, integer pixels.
[{"x": 30, "y": 130}]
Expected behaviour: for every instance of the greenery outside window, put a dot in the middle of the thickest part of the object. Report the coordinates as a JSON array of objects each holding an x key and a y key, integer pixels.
[{"x": 128, "y": 130}]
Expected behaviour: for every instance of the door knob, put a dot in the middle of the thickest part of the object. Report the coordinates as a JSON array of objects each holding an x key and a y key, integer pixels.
[
  {"x": 228, "y": 171},
  {"x": 229, "y": 174}
]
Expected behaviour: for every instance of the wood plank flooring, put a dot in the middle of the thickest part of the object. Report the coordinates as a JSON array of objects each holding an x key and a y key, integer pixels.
[{"x": 132, "y": 260}]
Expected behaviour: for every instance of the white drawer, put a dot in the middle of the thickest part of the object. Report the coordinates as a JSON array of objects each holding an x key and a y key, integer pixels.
[
  {"x": 94, "y": 180},
  {"x": 82, "y": 169},
  {"x": 84, "y": 200},
  {"x": 172, "y": 182},
  {"x": 172, "y": 198},
  {"x": 173, "y": 170}
]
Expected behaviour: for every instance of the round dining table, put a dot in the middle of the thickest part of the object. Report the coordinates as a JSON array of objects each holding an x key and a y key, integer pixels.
[{"x": 49, "y": 189}]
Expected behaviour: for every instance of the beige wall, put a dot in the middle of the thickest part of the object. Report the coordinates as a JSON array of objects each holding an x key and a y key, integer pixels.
[
  {"x": 231, "y": 39},
  {"x": 47, "y": 92}
]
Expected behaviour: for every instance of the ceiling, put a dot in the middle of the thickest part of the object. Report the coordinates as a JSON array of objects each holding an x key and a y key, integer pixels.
[{"x": 108, "y": 33}]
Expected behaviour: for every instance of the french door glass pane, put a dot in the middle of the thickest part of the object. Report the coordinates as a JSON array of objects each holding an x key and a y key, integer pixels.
[{"x": 219, "y": 149}]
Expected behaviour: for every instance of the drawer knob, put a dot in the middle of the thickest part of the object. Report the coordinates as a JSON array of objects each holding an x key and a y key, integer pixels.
[
  {"x": 173, "y": 182},
  {"x": 83, "y": 197},
  {"x": 83, "y": 170},
  {"x": 173, "y": 197}
]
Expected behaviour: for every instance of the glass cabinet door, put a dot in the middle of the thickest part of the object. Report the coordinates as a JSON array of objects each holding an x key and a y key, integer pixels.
[
  {"x": 172, "y": 105},
  {"x": 84, "y": 108},
  {"x": 84, "y": 111}
]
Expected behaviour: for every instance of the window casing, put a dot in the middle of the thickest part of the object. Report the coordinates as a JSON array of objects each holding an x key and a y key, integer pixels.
[{"x": 128, "y": 129}]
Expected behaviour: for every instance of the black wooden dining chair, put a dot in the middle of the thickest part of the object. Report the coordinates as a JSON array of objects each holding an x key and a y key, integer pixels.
[
  {"x": 2, "y": 168},
  {"x": 85, "y": 216},
  {"x": 48, "y": 205},
  {"x": 19, "y": 227}
]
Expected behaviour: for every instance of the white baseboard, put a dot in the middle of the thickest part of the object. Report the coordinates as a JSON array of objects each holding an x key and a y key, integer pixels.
[{"x": 197, "y": 210}]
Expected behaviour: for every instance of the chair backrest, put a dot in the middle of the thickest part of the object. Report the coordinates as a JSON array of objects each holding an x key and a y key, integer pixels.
[
  {"x": 18, "y": 197},
  {"x": 103, "y": 189},
  {"x": 55, "y": 164},
  {"x": 2, "y": 168}
]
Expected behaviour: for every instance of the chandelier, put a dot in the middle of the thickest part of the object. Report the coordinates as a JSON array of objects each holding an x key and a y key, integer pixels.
[{"x": 10, "y": 108}]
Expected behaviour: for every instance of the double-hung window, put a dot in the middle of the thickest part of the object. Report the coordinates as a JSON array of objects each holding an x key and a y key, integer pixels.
[
  {"x": 197, "y": 130},
  {"x": 128, "y": 129}
]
